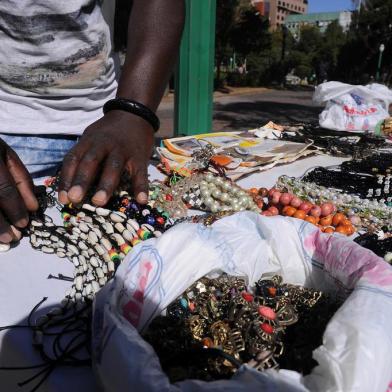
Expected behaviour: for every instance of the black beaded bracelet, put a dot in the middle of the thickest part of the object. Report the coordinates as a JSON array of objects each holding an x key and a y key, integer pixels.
[{"x": 135, "y": 108}]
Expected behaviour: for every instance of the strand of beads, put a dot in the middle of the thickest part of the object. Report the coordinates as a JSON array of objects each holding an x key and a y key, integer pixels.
[
  {"x": 324, "y": 216},
  {"x": 374, "y": 215},
  {"x": 219, "y": 195},
  {"x": 369, "y": 186},
  {"x": 206, "y": 192},
  {"x": 97, "y": 239}
]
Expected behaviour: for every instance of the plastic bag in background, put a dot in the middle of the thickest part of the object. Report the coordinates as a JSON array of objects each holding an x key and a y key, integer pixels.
[
  {"x": 356, "y": 354},
  {"x": 352, "y": 108}
]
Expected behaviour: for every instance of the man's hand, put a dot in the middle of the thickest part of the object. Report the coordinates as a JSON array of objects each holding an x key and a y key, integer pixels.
[
  {"x": 119, "y": 141},
  {"x": 16, "y": 195}
]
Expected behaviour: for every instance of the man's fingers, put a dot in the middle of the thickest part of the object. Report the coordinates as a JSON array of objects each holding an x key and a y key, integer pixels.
[
  {"x": 6, "y": 234},
  {"x": 22, "y": 180},
  {"x": 70, "y": 164},
  {"x": 86, "y": 173},
  {"x": 140, "y": 182},
  {"x": 109, "y": 180},
  {"x": 11, "y": 203},
  {"x": 16, "y": 234}
]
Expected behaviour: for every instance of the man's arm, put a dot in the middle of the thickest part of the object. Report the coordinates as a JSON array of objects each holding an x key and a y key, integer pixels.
[{"x": 121, "y": 140}]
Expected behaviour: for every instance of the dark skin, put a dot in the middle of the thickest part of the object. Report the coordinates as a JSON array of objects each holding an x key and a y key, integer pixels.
[{"x": 119, "y": 140}]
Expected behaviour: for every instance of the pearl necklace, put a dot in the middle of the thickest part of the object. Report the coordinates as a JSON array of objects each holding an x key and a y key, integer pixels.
[
  {"x": 205, "y": 192},
  {"x": 219, "y": 195}
]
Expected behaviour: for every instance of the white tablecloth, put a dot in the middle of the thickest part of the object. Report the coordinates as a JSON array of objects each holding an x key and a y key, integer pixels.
[{"x": 23, "y": 283}]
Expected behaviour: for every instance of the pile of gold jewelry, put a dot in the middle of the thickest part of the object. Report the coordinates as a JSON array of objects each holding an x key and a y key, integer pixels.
[{"x": 217, "y": 325}]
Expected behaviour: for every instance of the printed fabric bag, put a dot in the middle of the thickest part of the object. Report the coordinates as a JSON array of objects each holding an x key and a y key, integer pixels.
[
  {"x": 356, "y": 354},
  {"x": 352, "y": 108}
]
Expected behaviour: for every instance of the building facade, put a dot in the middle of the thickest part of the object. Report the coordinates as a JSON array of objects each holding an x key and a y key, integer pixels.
[
  {"x": 322, "y": 20},
  {"x": 278, "y": 10}
]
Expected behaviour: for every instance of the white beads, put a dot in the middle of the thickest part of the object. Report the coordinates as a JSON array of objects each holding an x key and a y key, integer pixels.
[
  {"x": 6, "y": 247},
  {"x": 118, "y": 238},
  {"x": 83, "y": 227},
  {"x": 94, "y": 262},
  {"x": 88, "y": 207},
  {"x": 36, "y": 223},
  {"x": 102, "y": 211},
  {"x": 119, "y": 227},
  {"x": 78, "y": 282},
  {"x": 108, "y": 228},
  {"x": 106, "y": 243},
  {"x": 132, "y": 225},
  {"x": 47, "y": 249},
  {"x": 218, "y": 194},
  {"x": 117, "y": 217},
  {"x": 127, "y": 235},
  {"x": 100, "y": 250},
  {"x": 92, "y": 237},
  {"x": 388, "y": 257}
]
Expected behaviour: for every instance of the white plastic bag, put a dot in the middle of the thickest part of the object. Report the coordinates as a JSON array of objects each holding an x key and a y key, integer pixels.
[
  {"x": 352, "y": 108},
  {"x": 356, "y": 354}
]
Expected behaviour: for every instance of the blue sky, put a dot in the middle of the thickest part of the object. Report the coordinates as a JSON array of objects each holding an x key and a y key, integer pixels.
[{"x": 329, "y": 5}]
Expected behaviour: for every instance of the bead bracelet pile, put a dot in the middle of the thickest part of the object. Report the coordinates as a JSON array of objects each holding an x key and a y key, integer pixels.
[
  {"x": 95, "y": 240},
  {"x": 217, "y": 325}
]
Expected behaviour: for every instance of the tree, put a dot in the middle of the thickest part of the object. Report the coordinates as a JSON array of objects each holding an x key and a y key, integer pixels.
[
  {"x": 303, "y": 57},
  {"x": 250, "y": 34},
  {"x": 326, "y": 58},
  {"x": 371, "y": 27},
  {"x": 225, "y": 21}
]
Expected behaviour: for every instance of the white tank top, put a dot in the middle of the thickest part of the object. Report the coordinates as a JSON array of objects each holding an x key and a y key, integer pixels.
[{"x": 56, "y": 68}]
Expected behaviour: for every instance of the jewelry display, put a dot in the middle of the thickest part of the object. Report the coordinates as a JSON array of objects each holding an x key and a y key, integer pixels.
[
  {"x": 95, "y": 240},
  {"x": 218, "y": 324},
  {"x": 374, "y": 215},
  {"x": 336, "y": 143},
  {"x": 324, "y": 216},
  {"x": 366, "y": 186},
  {"x": 200, "y": 191}
]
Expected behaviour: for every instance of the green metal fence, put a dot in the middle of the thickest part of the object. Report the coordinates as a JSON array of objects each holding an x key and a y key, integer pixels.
[{"x": 195, "y": 73}]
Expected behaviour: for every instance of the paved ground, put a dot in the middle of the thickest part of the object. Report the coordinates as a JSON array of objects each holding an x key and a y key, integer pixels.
[{"x": 250, "y": 108}]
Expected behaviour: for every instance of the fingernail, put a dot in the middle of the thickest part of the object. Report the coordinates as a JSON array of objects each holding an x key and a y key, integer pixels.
[
  {"x": 75, "y": 194},
  {"x": 17, "y": 235},
  {"x": 22, "y": 222},
  {"x": 6, "y": 238},
  {"x": 63, "y": 197},
  {"x": 100, "y": 197},
  {"x": 142, "y": 197}
]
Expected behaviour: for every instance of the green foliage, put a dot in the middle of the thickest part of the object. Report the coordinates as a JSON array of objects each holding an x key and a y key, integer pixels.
[
  {"x": 370, "y": 28},
  {"x": 225, "y": 22},
  {"x": 239, "y": 30},
  {"x": 250, "y": 34},
  {"x": 333, "y": 55}
]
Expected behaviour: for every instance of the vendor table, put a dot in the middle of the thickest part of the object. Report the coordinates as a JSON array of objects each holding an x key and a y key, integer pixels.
[{"x": 24, "y": 282}]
